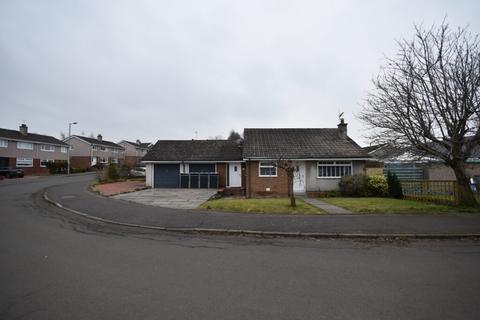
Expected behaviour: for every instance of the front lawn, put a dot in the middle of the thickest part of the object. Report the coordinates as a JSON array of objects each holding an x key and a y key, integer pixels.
[
  {"x": 389, "y": 205},
  {"x": 270, "y": 206}
]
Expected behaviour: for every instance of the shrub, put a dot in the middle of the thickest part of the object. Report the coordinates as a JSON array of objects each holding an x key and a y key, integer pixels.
[
  {"x": 394, "y": 186},
  {"x": 354, "y": 186},
  {"x": 112, "y": 172},
  {"x": 330, "y": 194},
  {"x": 377, "y": 186},
  {"x": 56, "y": 167}
]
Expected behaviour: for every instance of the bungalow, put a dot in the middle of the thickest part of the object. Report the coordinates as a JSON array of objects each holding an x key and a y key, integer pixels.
[
  {"x": 195, "y": 164},
  {"x": 321, "y": 157},
  {"x": 29, "y": 151},
  {"x": 86, "y": 152}
]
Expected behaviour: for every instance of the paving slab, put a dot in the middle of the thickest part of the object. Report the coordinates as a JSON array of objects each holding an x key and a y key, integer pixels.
[
  {"x": 327, "y": 207},
  {"x": 169, "y": 198}
]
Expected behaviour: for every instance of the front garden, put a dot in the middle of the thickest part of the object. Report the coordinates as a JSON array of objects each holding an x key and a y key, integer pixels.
[{"x": 270, "y": 206}]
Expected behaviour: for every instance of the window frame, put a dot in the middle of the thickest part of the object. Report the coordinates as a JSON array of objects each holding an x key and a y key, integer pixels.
[
  {"x": 51, "y": 147},
  {"x": 103, "y": 149},
  {"x": 64, "y": 148},
  {"x": 334, "y": 164},
  {"x": 3, "y": 143},
  {"x": 263, "y": 165},
  {"x": 44, "y": 166},
  {"x": 23, "y": 165},
  {"x": 19, "y": 143}
]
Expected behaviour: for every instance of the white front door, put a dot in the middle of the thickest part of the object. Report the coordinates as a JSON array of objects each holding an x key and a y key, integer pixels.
[
  {"x": 299, "y": 177},
  {"x": 235, "y": 174}
]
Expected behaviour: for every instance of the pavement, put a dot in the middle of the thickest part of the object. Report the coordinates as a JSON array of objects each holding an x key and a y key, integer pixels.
[
  {"x": 327, "y": 207},
  {"x": 169, "y": 198},
  {"x": 76, "y": 197}
]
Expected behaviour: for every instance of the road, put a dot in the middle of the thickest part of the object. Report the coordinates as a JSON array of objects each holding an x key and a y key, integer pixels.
[{"x": 58, "y": 266}]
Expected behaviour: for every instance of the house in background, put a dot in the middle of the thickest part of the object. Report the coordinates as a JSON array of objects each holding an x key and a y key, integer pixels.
[
  {"x": 29, "y": 151},
  {"x": 321, "y": 158},
  {"x": 196, "y": 164},
  {"x": 409, "y": 164},
  {"x": 134, "y": 151},
  {"x": 87, "y": 152}
]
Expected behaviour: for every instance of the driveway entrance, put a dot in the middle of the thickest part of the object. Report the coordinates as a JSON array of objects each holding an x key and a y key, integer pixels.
[{"x": 169, "y": 198}]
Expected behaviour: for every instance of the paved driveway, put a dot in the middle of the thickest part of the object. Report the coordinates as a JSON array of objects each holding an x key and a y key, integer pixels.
[{"x": 169, "y": 198}]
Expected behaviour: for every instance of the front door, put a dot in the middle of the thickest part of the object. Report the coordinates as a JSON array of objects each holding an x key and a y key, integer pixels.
[
  {"x": 299, "y": 177},
  {"x": 235, "y": 174}
]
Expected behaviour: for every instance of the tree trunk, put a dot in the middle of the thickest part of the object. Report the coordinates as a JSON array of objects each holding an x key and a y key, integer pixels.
[
  {"x": 293, "y": 203},
  {"x": 465, "y": 194}
]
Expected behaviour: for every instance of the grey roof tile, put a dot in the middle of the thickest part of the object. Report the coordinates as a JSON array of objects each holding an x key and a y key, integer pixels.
[{"x": 31, "y": 137}]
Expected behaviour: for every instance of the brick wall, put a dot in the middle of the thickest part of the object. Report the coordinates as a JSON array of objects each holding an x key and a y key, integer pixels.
[{"x": 257, "y": 186}]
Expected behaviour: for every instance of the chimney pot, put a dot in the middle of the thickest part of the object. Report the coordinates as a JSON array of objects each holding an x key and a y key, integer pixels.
[{"x": 24, "y": 129}]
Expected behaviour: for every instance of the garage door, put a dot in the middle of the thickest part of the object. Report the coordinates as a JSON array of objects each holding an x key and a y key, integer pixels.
[{"x": 166, "y": 175}]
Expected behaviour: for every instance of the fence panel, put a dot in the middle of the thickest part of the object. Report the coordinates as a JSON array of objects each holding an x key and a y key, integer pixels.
[{"x": 438, "y": 191}]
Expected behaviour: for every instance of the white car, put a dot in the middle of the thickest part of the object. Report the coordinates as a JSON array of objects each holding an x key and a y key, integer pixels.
[{"x": 138, "y": 172}]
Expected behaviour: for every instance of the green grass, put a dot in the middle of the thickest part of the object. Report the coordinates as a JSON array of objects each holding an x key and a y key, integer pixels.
[
  {"x": 389, "y": 205},
  {"x": 270, "y": 206}
]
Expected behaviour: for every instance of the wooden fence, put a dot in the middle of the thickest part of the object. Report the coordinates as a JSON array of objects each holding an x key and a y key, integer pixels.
[{"x": 438, "y": 191}]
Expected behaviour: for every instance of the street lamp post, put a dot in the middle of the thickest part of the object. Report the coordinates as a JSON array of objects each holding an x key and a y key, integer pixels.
[{"x": 68, "y": 150}]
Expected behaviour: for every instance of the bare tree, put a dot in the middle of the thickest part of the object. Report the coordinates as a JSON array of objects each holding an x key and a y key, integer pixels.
[
  {"x": 288, "y": 167},
  {"x": 428, "y": 97}
]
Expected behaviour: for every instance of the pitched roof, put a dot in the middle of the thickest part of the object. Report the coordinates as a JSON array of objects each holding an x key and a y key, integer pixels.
[
  {"x": 194, "y": 150},
  {"x": 323, "y": 143},
  {"x": 31, "y": 137},
  {"x": 374, "y": 147},
  {"x": 98, "y": 142},
  {"x": 144, "y": 145}
]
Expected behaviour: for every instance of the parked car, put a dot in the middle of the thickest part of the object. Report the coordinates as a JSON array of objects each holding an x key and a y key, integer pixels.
[
  {"x": 10, "y": 172},
  {"x": 138, "y": 172}
]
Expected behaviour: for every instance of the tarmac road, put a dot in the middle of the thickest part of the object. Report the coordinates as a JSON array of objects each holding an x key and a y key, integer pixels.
[{"x": 54, "y": 265}]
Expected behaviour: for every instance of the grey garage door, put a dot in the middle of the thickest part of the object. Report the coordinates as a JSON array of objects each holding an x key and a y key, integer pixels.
[{"x": 166, "y": 175}]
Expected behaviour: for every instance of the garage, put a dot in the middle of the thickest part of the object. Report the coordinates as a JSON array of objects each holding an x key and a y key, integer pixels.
[{"x": 166, "y": 176}]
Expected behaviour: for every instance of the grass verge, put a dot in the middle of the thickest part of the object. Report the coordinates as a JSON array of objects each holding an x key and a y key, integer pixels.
[
  {"x": 389, "y": 205},
  {"x": 268, "y": 206}
]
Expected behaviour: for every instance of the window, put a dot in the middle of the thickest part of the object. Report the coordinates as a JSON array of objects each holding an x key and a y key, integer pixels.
[
  {"x": 103, "y": 161},
  {"x": 94, "y": 147},
  {"x": 44, "y": 163},
  {"x": 103, "y": 149},
  {"x": 267, "y": 169},
  {"x": 3, "y": 143},
  {"x": 24, "y": 145},
  {"x": 115, "y": 150},
  {"x": 24, "y": 162},
  {"x": 334, "y": 169},
  {"x": 63, "y": 149},
  {"x": 114, "y": 160},
  {"x": 47, "y": 147}
]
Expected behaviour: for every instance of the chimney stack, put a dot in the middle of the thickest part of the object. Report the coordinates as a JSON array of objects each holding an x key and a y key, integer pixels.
[
  {"x": 24, "y": 129},
  {"x": 99, "y": 137},
  {"x": 138, "y": 142},
  {"x": 342, "y": 128}
]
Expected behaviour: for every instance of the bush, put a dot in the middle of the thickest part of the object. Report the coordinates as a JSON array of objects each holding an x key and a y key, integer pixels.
[
  {"x": 57, "y": 167},
  {"x": 394, "y": 186},
  {"x": 112, "y": 172},
  {"x": 377, "y": 186},
  {"x": 354, "y": 186}
]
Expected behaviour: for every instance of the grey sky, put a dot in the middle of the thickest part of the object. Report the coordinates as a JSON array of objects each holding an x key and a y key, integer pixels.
[{"x": 163, "y": 70}]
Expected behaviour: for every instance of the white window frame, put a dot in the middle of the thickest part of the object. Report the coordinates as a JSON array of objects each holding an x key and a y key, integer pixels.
[
  {"x": 3, "y": 143},
  {"x": 51, "y": 147},
  {"x": 114, "y": 150},
  {"x": 267, "y": 165},
  {"x": 103, "y": 149},
  {"x": 114, "y": 160},
  {"x": 103, "y": 160},
  {"x": 64, "y": 149},
  {"x": 334, "y": 164},
  {"x": 24, "y": 162},
  {"x": 94, "y": 147},
  {"x": 44, "y": 166},
  {"x": 24, "y": 145}
]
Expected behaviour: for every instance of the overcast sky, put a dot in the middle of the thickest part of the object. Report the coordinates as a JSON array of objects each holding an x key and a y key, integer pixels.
[{"x": 154, "y": 70}]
